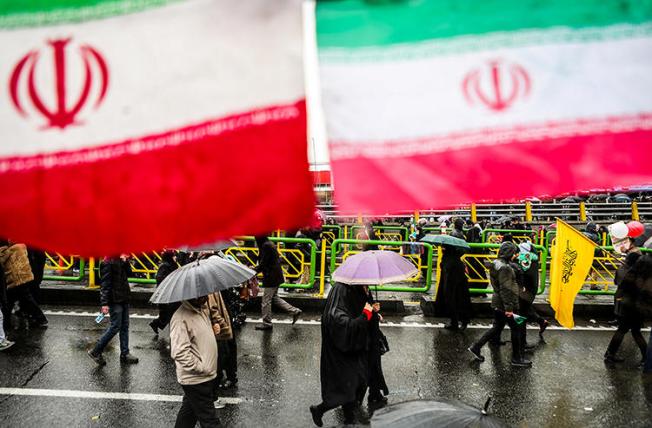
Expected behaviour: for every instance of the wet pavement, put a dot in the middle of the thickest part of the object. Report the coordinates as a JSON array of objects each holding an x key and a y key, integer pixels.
[{"x": 569, "y": 385}]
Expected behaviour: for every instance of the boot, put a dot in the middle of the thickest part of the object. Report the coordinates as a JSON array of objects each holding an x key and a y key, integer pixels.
[{"x": 317, "y": 414}]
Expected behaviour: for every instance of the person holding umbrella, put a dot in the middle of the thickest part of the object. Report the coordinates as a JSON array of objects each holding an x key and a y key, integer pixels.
[
  {"x": 193, "y": 345},
  {"x": 165, "y": 312},
  {"x": 346, "y": 326},
  {"x": 344, "y": 360}
]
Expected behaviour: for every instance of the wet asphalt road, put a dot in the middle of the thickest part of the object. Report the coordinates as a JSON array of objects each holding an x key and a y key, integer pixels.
[{"x": 569, "y": 385}]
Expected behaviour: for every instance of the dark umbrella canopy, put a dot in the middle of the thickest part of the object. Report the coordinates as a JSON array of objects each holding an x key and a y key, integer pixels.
[
  {"x": 211, "y": 246},
  {"x": 201, "y": 278},
  {"x": 446, "y": 240},
  {"x": 434, "y": 414}
]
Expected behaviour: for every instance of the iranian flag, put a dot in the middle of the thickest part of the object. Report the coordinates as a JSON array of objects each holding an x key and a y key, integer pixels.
[
  {"x": 433, "y": 103},
  {"x": 129, "y": 125}
]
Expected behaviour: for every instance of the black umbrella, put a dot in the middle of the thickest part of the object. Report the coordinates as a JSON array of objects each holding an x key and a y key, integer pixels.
[
  {"x": 434, "y": 414},
  {"x": 201, "y": 278}
]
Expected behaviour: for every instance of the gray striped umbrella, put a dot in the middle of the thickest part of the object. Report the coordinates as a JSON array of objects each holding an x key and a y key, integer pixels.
[{"x": 201, "y": 278}]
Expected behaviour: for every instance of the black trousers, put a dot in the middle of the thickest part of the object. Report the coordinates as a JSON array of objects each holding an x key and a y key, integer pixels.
[
  {"x": 626, "y": 324},
  {"x": 527, "y": 310},
  {"x": 227, "y": 359},
  {"x": 198, "y": 405},
  {"x": 23, "y": 295},
  {"x": 493, "y": 334},
  {"x": 165, "y": 313}
]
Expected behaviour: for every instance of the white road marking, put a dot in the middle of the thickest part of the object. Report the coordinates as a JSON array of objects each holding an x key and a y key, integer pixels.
[
  {"x": 405, "y": 324},
  {"x": 69, "y": 393}
]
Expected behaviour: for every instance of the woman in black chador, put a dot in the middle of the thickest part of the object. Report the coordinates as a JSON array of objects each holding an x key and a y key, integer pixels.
[
  {"x": 453, "y": 292},
  {"x": 376, "y": 347},
  {"x": 344, "y": 359}
]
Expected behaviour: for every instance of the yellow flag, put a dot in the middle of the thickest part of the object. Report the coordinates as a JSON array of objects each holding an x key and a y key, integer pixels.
[{"x": 572, "y": 257}]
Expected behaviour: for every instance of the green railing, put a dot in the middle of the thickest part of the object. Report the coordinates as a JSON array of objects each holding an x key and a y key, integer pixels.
[
  {"x": 543, "y": 269},
  {"x": 517, "y": 234},
  {"x": 401, "y": 231},
  {"x": 282, "y": 253},
  {"x": 388, "y": 287},
  {"x": 80, "y": 276}
]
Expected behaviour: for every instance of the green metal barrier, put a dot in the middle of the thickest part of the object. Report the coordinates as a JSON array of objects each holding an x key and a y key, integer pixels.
[
  {"x": 243, "y": 255},
  {"x": 70, "y": 265},
  {"x": 519, "y": 235},
  {"x": 388, "y": 287},
  {"x": 543, "y": 269},
  {"x": 400, "y": 231}
]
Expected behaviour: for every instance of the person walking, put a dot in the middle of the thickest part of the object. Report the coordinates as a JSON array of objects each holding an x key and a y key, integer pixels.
[
  {"x": 453, "y": 289},
  {"x": 114, "y": 298},
  {"x": 527, "y": 277},
  {"x": 223, "y": 330},
  {"x": 269, "y": 264},
  {"x": 194, "y": 351},
  {"x": 626, "y": 310},
  {"x": 18, "y": 274},
  {"x": 4, "y": 342},
  {"x": 505, "y": 302},
  {"x": 165, "y": 311},
  {"x": 377, "y": 346},
  {"x": 343, "y": 368}
]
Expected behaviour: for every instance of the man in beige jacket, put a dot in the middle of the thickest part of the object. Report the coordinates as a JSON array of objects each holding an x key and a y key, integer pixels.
[{"x": 194, "y": 350}]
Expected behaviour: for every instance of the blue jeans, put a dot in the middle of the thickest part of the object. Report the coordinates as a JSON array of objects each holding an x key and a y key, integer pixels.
[
  {"x": 119, "y": 313},
  {"x": 647, "y": 368}
]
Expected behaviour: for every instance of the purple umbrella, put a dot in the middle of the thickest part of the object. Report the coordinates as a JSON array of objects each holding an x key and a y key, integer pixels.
[{"x": 374, "y": 268}]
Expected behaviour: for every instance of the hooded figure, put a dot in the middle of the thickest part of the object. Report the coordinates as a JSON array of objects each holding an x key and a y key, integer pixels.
[
  {"x": 166, "y": 310},
  {"x": 454, "y": 288},
  {"x": 505, "y": 302},
  {"x": 458, "y": 229},
  {"x": 344, "y": 359},
  {"x": 591, "y": 232}
]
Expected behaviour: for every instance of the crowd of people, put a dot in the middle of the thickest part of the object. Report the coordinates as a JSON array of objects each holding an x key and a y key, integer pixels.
[{"x": 203, "y": 330}]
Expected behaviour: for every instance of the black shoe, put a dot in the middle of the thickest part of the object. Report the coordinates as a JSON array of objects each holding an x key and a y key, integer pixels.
[
  {"x": 542, "y": 327},
  {"x": 476, "y": 354},
  {"x": 154, "y": 327},
  {"x": 128, "y": 359},
  {"x": 295, "y": 316},
  {"x": 522, "y": 363},
  {"x": 98, "y": 358},
  {"x": 497, "y": 343},
  {"x": 264, "y": 327},
  {"x": 451, "y": 326},
  {"x": 316, "y": 416},
  {"x": 610, "y": 358}
]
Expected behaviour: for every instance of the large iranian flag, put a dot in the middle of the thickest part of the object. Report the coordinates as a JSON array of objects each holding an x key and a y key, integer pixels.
[
  {"x": 431, "y": 103},
  {"x": 130, "y": 125}
]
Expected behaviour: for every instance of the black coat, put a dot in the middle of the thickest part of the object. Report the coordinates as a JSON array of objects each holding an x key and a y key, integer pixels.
[
  {"x": 164, "y": 269},
  {"x": 114, "y": 282},
  {"x": 375, "y": 375},
  {"x": 503, "y": 280},
  {"x": 344, "y": 338},
  {"x": 528, "y": 281},
  {"x": 453, "y": 291},
  {"x": 269, "y": 264},
  {"x": 37, "y": 263},
  {"x": 635, "y": 290}
]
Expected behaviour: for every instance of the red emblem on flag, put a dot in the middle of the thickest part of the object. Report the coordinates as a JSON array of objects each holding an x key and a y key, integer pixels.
[
  {"x": 64, "y": 113},
  {"x": 498, "y": 88}
]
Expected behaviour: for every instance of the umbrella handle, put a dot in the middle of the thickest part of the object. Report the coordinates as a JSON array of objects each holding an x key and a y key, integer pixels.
[{"x": 485, "y": 410}]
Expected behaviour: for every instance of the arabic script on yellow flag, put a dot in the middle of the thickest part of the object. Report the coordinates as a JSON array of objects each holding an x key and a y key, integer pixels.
[{"x": 572, "y": 257}]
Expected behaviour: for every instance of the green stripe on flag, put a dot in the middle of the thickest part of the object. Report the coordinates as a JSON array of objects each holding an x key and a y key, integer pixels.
[
  {"x": 367, "y": 23},
  {"x": 30, "y": 13}
]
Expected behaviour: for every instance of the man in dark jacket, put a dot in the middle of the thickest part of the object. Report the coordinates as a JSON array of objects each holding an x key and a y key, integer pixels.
[
  {"x": 505, "y": 302},
  {"x": 269, "y": 264},
  {"x": 114, "y": 298},
  {"x": 344, "y": 360},
  {"x": 165, "y": 311},
  {"x": 458, "y": 229}
]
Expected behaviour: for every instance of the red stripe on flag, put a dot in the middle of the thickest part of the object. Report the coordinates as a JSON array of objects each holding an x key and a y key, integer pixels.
[
  {"x": 492, "y": 173},
  {"x": 184, "y": 187}
]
